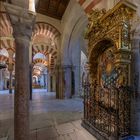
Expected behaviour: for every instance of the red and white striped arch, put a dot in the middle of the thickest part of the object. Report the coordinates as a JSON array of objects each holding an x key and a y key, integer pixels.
[
  {"x": 3, "y": 58},
  {"x": 6, "y": 29},
  {"x": 50, "y": 33},
  {"x": 7, "y": 43},
  {"x": 88, "y": 5},
  {"x": 45, "y": 29},
  {"x": 44, "y": 49},
  {"x": 52, "y": 63},
  {"x": 42, "y": 61}
]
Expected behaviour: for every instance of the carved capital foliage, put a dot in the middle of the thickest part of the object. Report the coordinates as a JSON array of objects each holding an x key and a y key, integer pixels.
[{"x": 22, "y": 21}]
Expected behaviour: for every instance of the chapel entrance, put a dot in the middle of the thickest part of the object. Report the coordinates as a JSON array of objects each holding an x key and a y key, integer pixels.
[
  {"x": 107, "y": 94},
  {"x": 107, "y": 97}
]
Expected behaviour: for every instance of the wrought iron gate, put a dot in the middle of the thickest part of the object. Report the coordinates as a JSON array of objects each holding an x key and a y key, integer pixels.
[
  {"x": 107, "y": 110},
  {"x": 107, "y": 101}
]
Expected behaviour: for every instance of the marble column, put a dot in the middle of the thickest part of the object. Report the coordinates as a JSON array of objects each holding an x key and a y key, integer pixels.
[
  {"x": 1, "y": 80},
  {"x": 135, "y": 110},
  {"x": 10, "y": 82},
  {"x": 10, "y": 69},
  {"x": 5, "y": 83},
  {"x": 54, "y": 83},
  {"x": 44, "y": 78},
  {"x": 48, "y": 82},
  {"x": 22, "y": 21},
  {"x": 51, "y": 83}
]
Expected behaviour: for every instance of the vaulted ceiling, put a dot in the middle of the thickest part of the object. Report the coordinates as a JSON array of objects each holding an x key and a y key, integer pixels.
[{"x": 52, "y": 8}]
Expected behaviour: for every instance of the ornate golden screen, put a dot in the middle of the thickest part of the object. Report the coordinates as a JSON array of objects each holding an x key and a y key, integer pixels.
[{"x": 107, "y": 96}]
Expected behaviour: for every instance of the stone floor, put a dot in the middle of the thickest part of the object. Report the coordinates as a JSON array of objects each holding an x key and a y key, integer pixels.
[
  {"x": 50, "y": 119},
  {"x": 67, "y": 131}
]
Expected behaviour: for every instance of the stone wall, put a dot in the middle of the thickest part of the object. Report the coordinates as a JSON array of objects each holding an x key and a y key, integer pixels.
[{"x": 73, "y": 26}]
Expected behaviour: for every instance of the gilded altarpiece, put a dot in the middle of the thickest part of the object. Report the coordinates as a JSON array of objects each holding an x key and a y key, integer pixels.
[{"x": 108, "y": 96}]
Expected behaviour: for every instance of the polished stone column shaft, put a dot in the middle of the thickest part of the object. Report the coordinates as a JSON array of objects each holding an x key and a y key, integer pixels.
[
  {"x": 22, "y": 21},
  {"x": 1, "y": 79},
  {"x": 22, "y": 90},
  {"x": 10, "y": 69},
  {"x": 10, "y": 82}
]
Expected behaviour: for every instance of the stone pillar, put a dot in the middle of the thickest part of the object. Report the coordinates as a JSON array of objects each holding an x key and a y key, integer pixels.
[
  {"x": 60, "y": 82},
  {"x": 51, "y": 83},
  {"x": 1, "y": 80},
  {"x": 76, "y": 82},
  {"x": 30, "y": 62},
  {"x": 10, "y": 82},
  {"x": 44, "y": 77},
  {"x": 22, "y": 21},
  {"x": 54, "y": 83},
  {"x": 68, "y": 81},
  {"x": 10, "y": 69},
  {"x": 5, "y": 83},
  {"x": 48, "y": 82},
  {"x": 135, "y": 110}
]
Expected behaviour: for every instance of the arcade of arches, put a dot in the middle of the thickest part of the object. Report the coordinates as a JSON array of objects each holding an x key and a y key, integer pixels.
[{"x": 68, "y": 68}]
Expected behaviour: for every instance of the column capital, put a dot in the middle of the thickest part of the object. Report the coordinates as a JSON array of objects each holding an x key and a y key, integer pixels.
[{"x": 22, "y": 21}]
